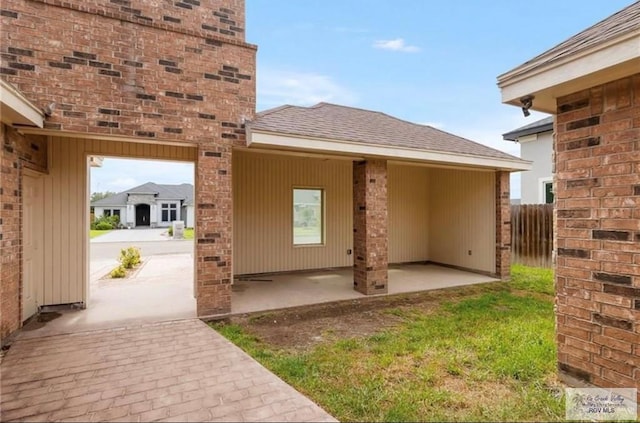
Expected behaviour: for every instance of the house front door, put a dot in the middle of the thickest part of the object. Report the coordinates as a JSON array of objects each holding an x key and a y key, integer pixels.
[
  {"x": 143, "y": 215},
  {"x": 32, "y": 242}
]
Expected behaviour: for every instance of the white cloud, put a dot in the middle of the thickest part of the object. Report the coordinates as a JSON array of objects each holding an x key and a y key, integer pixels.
[
  {"x": 278, "y": 87},
  {"x": 121, "y": 174},
  {"x": 396, "y": 45}
]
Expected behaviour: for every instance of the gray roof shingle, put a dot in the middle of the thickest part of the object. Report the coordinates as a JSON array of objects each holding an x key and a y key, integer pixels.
[
  {"x": 624, "y": 21},
  {"x": 163, "y": 191},
  {"x": 542, "y": 125},
  {"x": 342, "y": 123}
]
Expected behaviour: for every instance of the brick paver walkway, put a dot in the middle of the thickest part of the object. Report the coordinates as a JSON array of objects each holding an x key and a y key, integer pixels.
[{"x": 172, "y": 371}]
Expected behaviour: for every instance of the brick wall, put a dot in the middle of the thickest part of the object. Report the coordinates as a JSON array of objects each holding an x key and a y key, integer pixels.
[
  {"x": 118, "y": 74},
  {"x": 597, "y": 152},
  {"x": 176, "y": 73},
  {"x": 18, "y": 152},
  {"x": 503, "y": 226},
  {"x": 370, "y": 227}
]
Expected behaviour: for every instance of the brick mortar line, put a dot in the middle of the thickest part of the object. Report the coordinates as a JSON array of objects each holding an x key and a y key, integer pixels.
[{"x": 162, "y": 27}]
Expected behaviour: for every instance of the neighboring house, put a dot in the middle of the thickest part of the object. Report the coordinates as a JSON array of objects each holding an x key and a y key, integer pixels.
[
  {"x": 591, "y": 82},
  {"x": 371, "y": 189},
  {"x": 536, "y": 145},
  {"x": 150, "y": 205}
]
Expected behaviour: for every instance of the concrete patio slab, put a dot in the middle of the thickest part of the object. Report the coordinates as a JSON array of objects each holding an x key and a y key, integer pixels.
[
  {"x": 271, "y": 292},
  {"x": 172, "y": 371}
]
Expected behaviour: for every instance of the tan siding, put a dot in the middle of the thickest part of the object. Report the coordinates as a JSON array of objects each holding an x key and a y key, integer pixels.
[
  {"x": 262, "y": 189},
  {"x": 408, "y": 188},
  {"x": 66, "y": 209},
  {"x": 462, "y": 218}
]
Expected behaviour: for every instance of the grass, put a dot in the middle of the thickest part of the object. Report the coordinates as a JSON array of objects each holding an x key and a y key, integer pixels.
[
  {"x": 94, "y": 233},
  {"x": 486, "y": 357}
]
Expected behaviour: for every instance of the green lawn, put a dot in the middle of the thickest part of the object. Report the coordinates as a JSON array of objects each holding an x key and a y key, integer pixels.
[
  {"x": 306, "y": 231},
  {"x": 94, "y": 233},
  {"x": 483, "y": 356}
]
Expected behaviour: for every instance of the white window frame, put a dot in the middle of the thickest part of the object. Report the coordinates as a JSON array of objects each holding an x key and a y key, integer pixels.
[
  {"x": 168, "y": 209},
  {"x": 542, "y": 182},
  {"x": 323, "y": 223}
]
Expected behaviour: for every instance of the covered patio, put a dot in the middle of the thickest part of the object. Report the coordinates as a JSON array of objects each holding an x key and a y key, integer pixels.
[{"x": 276, "y": 291}]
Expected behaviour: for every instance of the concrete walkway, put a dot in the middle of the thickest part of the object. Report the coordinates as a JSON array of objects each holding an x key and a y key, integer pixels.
[
  {"x": 161, "y": 290},
  {"x": 172, "y": 371}
]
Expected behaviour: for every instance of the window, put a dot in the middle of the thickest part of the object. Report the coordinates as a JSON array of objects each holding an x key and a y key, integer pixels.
[
  {"x": 308, "y": 216},
  {"x": 548, "y": 192},
  {"x": 169, "y": 212},
  {"x": 116, "y": 212},
  {"x": 106, "y": 212}
]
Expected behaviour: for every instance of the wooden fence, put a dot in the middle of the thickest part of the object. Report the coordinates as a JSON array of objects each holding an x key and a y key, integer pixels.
[{"x": 532, "y": 234}]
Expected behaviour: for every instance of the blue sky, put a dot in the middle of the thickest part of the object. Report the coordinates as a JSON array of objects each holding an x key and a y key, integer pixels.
[{"x": 429, "y": 62}]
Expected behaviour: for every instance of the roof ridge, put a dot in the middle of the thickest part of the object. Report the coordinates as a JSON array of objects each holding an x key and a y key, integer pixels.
[
  {"x": 325, "y": 103},
  {"x": 380, "y": 113},
  {"x": 554, "y": 52},
  {"x": 274, "y": 110}
]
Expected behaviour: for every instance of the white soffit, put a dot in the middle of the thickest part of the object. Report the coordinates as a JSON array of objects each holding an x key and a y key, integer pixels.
[
  {"x": 15, "y": 109},
  {"x": 604, "y": 63}
]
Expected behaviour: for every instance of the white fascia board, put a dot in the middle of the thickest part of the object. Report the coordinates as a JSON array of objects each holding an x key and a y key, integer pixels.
[
  {"x": 264, "y": 139},
  {"x": 528, "y": 138},
  {"x": 522, "y": 82},
  {"x": 17, "y": 109}
]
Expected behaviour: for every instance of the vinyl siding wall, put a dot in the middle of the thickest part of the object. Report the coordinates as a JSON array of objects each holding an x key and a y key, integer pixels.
[
  {"x": 408, "y": 205},
  {"x": 434, "y": 214},
  {"x": 462, "y": 218},
  {"x": 66, "y": 218},
  {"x": 263, "y": 212}
]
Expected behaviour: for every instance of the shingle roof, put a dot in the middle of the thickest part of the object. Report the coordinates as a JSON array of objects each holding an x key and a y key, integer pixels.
[
  {"x": 542, "y": 125},
  {"x": 342, "y": 123},
  {"x": 624, "y": 21},
  {"x": 163, "y": 191}
]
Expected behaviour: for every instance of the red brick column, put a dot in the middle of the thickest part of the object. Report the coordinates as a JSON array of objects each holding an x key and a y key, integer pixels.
[
  {"x": 598, "y": 234},
  {"x": 503, "y": 226},
  {"x": 214, "y": 272},
  {"x": 370, "y": 220}
]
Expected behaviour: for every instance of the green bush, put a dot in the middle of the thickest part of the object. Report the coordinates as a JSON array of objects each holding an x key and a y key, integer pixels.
[
  {"x": 103, "y": 226},
  {"x": 170, "y": 231},
  {"x": 129, "y": 257},
  {"x": 103, "y": 223},
  {"x": 118, "y": 272}
]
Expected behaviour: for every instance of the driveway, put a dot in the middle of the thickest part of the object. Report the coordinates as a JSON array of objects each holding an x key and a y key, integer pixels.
[
  {"x": 133, "y": 235},
  {"x": 171, "y": 371}
]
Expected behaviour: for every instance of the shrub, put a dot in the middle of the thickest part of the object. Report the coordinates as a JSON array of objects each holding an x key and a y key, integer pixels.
[
  {"x": 103, "y": 226},
  {"x": 129, "y": 257},
  {"x": 104, "y": 223},
  {"x": 118, "y": 272},
  {"x": 170, "y": 231}
]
